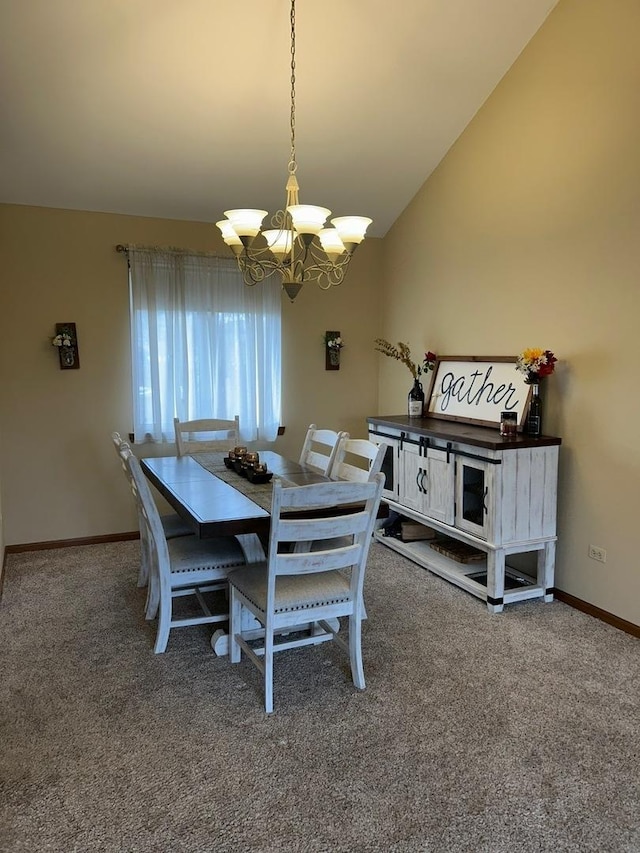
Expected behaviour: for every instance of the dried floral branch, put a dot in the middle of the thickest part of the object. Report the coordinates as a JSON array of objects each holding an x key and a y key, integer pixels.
[{"x": 401, "y": 352}]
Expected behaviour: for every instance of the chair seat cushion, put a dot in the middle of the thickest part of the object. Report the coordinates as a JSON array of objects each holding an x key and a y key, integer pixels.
[
  {"x": 293, "y": 592},
  {"x": 189, "y": 554}
]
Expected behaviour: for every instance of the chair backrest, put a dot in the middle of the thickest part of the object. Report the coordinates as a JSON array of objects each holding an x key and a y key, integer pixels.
[
  {"x": 357, "y": 459},
  {"x": 121, "y": 447},
  {"x": 151, "y": 530},
  {"x": 319, "y": 448},
  {"x": 221, "y": 434},
  {"x": 117, "y": 440},
  {"x": 323, "y": 512}
]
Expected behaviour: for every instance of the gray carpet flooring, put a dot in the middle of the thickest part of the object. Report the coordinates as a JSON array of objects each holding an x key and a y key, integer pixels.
[{"x": 508, "y": 733}]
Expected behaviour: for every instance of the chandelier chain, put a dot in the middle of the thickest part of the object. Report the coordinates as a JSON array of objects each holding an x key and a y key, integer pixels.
[{"x": 292, "y": 159}]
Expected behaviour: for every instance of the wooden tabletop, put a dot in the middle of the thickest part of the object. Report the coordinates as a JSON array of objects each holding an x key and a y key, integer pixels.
[{"x": 211, "y": 506}]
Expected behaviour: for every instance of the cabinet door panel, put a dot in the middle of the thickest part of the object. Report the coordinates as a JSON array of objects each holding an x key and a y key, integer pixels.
[
  {"x": 475, "y": 498},
  {"x": 427, "y": 482},
  {"x": 390, "y": 464},
  {"x": 413, "y": 471},
  {"x": 439, "y": 486}
]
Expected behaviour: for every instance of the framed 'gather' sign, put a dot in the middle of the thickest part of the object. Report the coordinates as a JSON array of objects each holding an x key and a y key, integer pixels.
[{"x": 476, "y": 389}]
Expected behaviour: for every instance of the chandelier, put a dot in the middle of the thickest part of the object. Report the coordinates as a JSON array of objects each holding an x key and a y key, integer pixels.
[{"x": 297, "y": 246}]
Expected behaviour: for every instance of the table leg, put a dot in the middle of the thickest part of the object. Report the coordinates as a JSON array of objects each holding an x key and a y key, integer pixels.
[
  {"x": 251, "y": 547},
  {"x": 253, "y": 553},
  {"x": 220, "y": 642}
]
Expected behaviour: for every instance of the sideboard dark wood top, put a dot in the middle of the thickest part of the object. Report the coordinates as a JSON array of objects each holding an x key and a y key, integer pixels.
[{"x": 479, "y": 436}]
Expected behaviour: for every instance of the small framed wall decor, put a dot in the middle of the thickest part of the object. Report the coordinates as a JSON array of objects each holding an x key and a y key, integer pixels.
[
  {"x": 66, "y": 341},
  {"x": 332, "y": 345},
  {"x": 477, "y": 389}
]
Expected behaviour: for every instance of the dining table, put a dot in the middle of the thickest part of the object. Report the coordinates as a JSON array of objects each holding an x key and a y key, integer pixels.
[{"x": 218, "y": 501}]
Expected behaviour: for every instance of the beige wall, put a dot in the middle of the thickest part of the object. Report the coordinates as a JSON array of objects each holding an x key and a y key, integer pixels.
[
  {"x": 59, "y": 475},
  {"x": 527, "y": 235},
  {"x": 1, "y": 540}
]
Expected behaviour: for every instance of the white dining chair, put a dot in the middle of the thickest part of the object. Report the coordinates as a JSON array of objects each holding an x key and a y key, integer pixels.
[
  {"x": 291, "y": 588},
  {"x": 172, "y": 525},
  {"x": 357, "y": 459},
  {"x": 206, "y": 434},
  {"x": 319, "y": 448},
  {"x": 183, "y": 566}
]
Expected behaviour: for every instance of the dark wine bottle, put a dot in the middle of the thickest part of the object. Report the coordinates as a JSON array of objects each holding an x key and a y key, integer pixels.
[
  {"x": 416, "y": 400},
  {"x": 534, "y": 417}
]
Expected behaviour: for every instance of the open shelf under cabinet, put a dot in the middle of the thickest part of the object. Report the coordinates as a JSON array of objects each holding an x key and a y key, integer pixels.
[{"x": 462, "y": 574}]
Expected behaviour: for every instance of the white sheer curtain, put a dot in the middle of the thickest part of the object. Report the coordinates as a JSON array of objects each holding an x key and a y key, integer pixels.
[{"x": 203, "y": 344}]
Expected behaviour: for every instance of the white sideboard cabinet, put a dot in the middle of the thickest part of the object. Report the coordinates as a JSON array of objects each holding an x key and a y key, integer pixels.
[{"x": 468, "y": 483}]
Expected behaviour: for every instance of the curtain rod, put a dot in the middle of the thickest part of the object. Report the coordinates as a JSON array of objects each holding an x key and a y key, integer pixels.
[{"x": 123, "y": 249}]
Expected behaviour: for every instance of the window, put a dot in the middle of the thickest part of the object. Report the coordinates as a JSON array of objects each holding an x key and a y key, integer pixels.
[{"x": 203, "y": 344}]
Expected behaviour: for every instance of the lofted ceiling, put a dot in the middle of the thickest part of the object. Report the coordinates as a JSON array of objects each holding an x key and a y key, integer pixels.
[{"x": 180, "y": 108}]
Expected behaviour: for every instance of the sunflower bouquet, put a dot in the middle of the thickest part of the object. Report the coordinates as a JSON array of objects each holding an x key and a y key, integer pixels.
[{"x": 536, "y": 364}]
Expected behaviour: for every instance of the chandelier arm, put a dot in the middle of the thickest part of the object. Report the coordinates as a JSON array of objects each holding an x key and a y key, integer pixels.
[
  {"x": 251, "y": 273},
  {"x": 317, "y": 266},
  {"x": 255, "y": 268},
  {"x": 322, "y": 259},
  {"x": 279, "y": 220},
  {"x": 262, "y": 257},
  {"x": 323, "y": 276},
  {"x": 297, "y": 270}
]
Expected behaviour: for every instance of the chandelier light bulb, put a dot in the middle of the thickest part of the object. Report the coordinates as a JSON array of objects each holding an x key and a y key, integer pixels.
[
  {"x": 228, "y": 233},
  {"x": 307, "y": 218},
  {"x": 331, "y": 243},
  {"x": 246, "y": 222},
  {"x": 351, "y": 228},
  {"x": 279, "y": 241}
]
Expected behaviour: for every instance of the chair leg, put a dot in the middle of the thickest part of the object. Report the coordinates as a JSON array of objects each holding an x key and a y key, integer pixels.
[
  {"x": 143, "y": 573},
  {"x": 147, "y": 605},
  {"x": 268, "y": 671},
  {"x": 164, "y": 623},
  {"x": 355, "y": 650},
  {"x": 235, "y": 626},
  {"x": 153, "y": 597},
  {"x": 315, "y": 629},
  {"x": 145, "y": 553}
]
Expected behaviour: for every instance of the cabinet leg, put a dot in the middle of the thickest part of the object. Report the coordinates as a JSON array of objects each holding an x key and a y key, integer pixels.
[
  {"x": 495, "y": 581},
  {"x": 546, "y": 569}
]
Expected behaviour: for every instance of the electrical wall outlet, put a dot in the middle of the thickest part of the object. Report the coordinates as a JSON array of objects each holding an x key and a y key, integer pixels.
[{"x": 597, "y": 553}]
